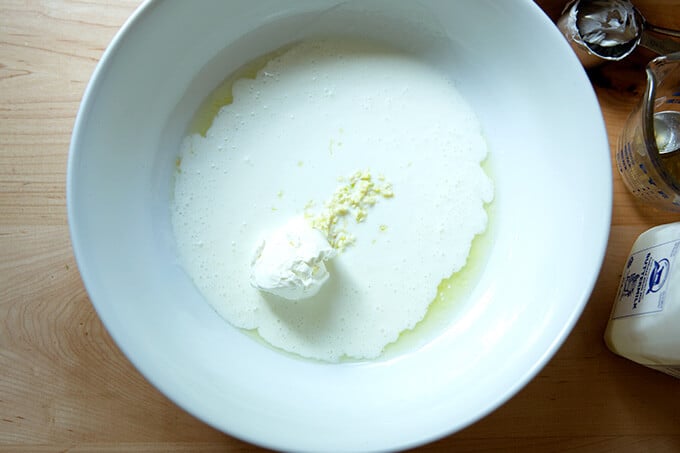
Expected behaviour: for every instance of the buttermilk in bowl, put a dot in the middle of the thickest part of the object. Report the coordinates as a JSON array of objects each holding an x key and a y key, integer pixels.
[{"x": 326, "y": 200}]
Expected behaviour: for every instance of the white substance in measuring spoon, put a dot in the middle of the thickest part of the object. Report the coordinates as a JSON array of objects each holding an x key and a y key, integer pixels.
[
  {"x": 321, "y": 111},
  {"x": 289, "y": 262}
]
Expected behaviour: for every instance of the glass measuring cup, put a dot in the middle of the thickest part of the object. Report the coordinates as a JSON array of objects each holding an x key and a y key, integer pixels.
[{"x": 648, "y": 152}]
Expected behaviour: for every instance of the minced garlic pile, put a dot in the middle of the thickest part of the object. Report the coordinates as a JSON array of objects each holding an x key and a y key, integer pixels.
[{"x": 351, "y": 200}]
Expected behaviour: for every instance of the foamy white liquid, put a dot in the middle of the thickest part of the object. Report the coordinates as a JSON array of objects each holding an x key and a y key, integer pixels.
[{"x": 321, "y": 111}]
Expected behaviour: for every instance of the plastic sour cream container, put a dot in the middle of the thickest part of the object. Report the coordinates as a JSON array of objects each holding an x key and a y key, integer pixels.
[{"x": 644, "y": 325}]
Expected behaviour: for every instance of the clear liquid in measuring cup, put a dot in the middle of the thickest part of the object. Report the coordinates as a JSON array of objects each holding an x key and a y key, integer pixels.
[
  {"x": 667, "y": 131},
  {"x": 667, "y": 136}
]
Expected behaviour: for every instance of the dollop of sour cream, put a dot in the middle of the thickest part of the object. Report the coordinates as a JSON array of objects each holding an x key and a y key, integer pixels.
[{"x": 290, "y": 261}]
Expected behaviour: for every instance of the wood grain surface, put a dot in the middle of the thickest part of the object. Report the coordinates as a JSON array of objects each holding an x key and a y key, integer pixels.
[{"x": 64, "y": 385}]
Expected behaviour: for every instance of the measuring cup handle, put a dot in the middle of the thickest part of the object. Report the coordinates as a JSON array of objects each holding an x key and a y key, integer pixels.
[{"x": 662, "y": 46}]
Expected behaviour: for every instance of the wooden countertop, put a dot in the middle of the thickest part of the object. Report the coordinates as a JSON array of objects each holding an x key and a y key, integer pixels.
[{"x": 64, "y": 385}]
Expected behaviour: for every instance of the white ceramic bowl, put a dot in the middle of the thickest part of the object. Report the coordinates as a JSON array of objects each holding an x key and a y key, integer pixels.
[{"x": 550, "y": 162}]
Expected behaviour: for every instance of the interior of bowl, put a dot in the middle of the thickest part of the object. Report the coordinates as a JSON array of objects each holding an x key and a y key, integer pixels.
[{"x": 550, "y": 224}]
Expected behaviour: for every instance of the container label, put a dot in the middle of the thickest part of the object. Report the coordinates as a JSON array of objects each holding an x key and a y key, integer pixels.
[{"x": 644, "y": 281}]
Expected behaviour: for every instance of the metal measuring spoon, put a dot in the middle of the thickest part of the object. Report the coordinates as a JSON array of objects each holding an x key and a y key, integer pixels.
[{"x": 609, "y": 30}]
